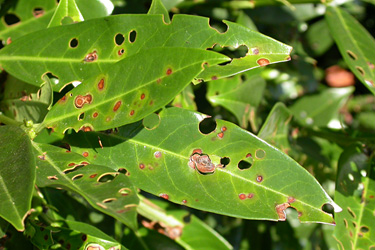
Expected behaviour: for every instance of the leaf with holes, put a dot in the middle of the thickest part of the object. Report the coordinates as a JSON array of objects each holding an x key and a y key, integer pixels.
[
  {"x": 355, "y": 192},
  {"x": 275, "y": 129},
  {"x": 22, "y": 101},
  {"x": 355, "y": 44},
  {"x": 180, "y": 226},
  {"x": 17, "y": 175},
  {"x": 112, "y": 99},
  {"x": 321, "y": 109},
  {"x": 67, "y": 12},
  {"x": 240, "y": 97},
  {"x": 228, "y": 171},
  {"x": 25, "y": 17},
  {"x": 79, "y": 51},
  {"x": 110, "y": 192},
  {"x": 70, "y": 235}
]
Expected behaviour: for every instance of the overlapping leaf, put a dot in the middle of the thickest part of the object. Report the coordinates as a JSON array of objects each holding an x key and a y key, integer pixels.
[
  {"x": 355, "y": 192},
  {"x": 78, "y": 51},
  {"x": 355, "y": 44},
  {"x": 17, "y": 175},
  {"x": 132, "y": 89},
  {"x": 158, "y": 162},
  {"x": 66, "y": 12},
  {"x": 108, "y": 191}
]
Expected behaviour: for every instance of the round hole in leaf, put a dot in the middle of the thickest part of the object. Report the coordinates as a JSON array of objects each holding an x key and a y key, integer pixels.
[
  {"x": 151, "y": 121},
  {"x": 38, "y": 12},
  {"x": 219, "y": 26},
  {"x": 224, "y": 161},
  {"x": 208, "y": 125},
  {"x": 328, "y": 208},
  {"x": 132, "y": 36},
  {"x": 107, "y": 177},
  {"x": 81, "y": 116},
  {"x": 73, "y": 43},
  {"x": 119, "y": 39},
  {"x": 244, "y": 165},
  {"x": 11, "y": 19},
  {"x": 364, "y": 229},
  {"x": 76, "y": 177},
  {"x": 351, "y": 55},
  {"x": 122, "y": 170},
  {"x": 360, "y": 70},
  {"x": 260, "y": 153},
  {"x": 1, "y": 44}
]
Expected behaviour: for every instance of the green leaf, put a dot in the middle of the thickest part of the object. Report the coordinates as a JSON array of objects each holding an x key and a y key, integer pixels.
[
  {"x": 102, "y": 103},
  {"x": 355, "y": 44},
  {"x": 33, "y": 15},
  {"x": 241, "y": 98},
  {"x": 17, "y": 175},
  {"x": 70, "y": 235},
  {"x": 157, "y": 7},
  {"x": 67, "y": 12},
  {"x": 355, "y": 192},
  {"x": 185, "y": 99},
  {"x": 159, "y": 162},
  {"x": 275, "y": 129},
  {"x": 109, "y": 192},
  {"x": 76, "y": 52},
  {"x": 182, "y": 227},
  {"x": 95, "y": 8},
  {"x": 322, "y": 109},
  {"x": 318, "y": 37},
  {"x": 22, "y": 101}
]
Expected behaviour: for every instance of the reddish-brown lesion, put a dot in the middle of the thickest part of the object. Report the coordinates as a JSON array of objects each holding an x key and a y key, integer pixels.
[{"x": 202, "y": 162}]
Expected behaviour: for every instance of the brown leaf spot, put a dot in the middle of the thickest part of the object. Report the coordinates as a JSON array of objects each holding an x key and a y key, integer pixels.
[
  {"x": 280, "y": 209},
  {"x": 38, "y": 12},
  {"x": 95, "y": 114},
  {"x": 214, "y": 78},
  {"x": 248, "y": 155},
  {"x": 291, "y": 199},
  {"x": 86, "y": 128},
  {"x": 169, "y": 71},
  {"x": 141, "y": 166},
  {"x": 101, "y": 84},
  {"x": 184, "y": 201},
  {"x": 71, "y": 164},
  {"x": 91, "y": 57},
  {"x": 197, "y": 151},
  {"x": 220, "y": 135},
  {"x": 120, "y": 52},
  {"x": 263, "y": 62},
  {"x": 117, "y": 106},
  {"x": 42, "y": 157},
  {"x": 250, "y": 195},
  {"x": 62, "y": 100},
  {"x": 79, "y": 101},
  {"x": 242, "y": 196},
  {"x": 164, "y": 196},
  {"x": 259, "y": 178},
  {"x": 255, "y": 51},
  {"x": 223, "y": 129},
  {"x": 158, "y": 80},
  {"x": 93, "y": 176},
  {"x": 85, "y": 154},
  {"x": 143, "y": 96},
  {"x": 157, "y": 154},
  {"x": 131, "y": 113},
  {"x": 202, "y": 163}
]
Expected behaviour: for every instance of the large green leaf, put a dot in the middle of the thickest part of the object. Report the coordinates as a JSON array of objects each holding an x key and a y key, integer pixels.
[
  {"x": 151, "y": 79},
  {"x": 189, "y": 231},
  {"x": 17, "y": 175},
  {"x": 355, "y": 43},
  {"x": 355, "y": 192},
  {"x": 240, "y": 97},
  {"x": 79, "y": 51},
  {"x": 159, "y": 161},
  {"x": 321, "y": 109},
  {"x": 108, "y": 191},
  {"x": 33, "y": 15}
]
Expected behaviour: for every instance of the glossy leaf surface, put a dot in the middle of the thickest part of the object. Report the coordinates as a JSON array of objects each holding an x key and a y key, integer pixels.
[
  {"x": 355, "y": 192},
  {"x": 55, "y": 50},
  {"x": 159, "y": 162},
  {"x": 240, "y": 97},
  {"x": 143, "y": 86},
  {"x": 17, "y": 175},
  {"x": 108, "y": 191},
  {"x": 186, "y": 229},
  {"x": 355, "y": 44},
  {"x": 67, "y": 12},
  {"x": 321, "y": 109}
]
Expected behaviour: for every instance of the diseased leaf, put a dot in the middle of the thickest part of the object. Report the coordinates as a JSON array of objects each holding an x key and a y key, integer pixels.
[
  {"x": 31, "y": 15},
  {"x": 240, "y": 97},
  {"x": 146, "y": 85},
  {"x": 181, "y": 226},
  {"x": 17, "y": 175},
  {"x": 321, "y": 109},
  {"x": 110, "y": 192},
  {"x": 275, "y": 129},
  {"x": 22, "y": 101},
  {"x": 73, "y": 55},
  {"x": 70, "y": 235},
  {"x": 355, "y": 44},
  {"x": 355, "y": 192},
  {"x": 239, "y": 174},
  {"x": 67, "y": 12}
]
